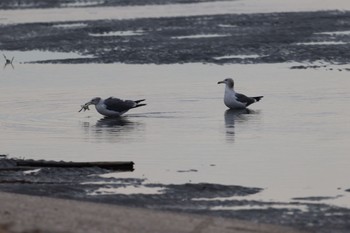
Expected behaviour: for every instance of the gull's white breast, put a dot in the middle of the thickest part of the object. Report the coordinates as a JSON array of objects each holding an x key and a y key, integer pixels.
[{"x": 230, "y": 99}]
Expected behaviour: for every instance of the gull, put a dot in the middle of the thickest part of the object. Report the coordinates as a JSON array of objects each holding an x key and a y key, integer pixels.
[
  {"x": 112, "y": 107},
  {"x": 234, "y": 100}
]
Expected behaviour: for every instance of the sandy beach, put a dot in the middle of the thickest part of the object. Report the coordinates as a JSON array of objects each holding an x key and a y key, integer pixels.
[{"x": 23, "y": 213}]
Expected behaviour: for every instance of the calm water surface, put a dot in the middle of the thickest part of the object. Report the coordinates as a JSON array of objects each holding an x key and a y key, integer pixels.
[{"x": 294, "y": 143}]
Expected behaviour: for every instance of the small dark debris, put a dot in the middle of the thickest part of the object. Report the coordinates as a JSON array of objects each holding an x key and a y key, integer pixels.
[
  {"x": 190, "y": 170},
  {"x": 315, "y": 198},
  {"x": 29, "y": 164},
  {"x": 303, "y": 67}
]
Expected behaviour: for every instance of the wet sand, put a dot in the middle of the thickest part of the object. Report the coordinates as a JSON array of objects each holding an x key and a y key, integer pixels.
[
  {"x": 22, "y": 213},
  {"x": 95, "y": 185}
]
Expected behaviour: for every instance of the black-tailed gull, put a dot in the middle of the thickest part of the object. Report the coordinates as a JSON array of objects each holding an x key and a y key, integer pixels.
[
  {"x": 112, "y": 107},
  {"x": 236, "y": 100}
]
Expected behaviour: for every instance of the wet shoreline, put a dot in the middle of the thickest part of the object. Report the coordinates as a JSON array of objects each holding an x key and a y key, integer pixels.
[{"x": 89, "y": 184}]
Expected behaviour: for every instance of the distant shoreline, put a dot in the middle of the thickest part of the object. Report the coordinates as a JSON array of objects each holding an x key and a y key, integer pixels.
[{"x": 218, "y": 39}]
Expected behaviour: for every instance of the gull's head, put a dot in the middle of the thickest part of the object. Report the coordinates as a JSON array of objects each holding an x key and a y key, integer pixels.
[
  {"x": 95, "y": 101},
  {"x": 229, "y": 82}
]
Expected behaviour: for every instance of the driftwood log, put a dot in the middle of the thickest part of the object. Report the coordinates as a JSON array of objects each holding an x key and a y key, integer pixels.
[{"x": 23, "y": 164}]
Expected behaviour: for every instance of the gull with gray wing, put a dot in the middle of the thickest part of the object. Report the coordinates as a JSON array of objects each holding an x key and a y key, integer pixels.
[
  {"x": 112, "y": 107},
  {"x": 234, "y": 100}
]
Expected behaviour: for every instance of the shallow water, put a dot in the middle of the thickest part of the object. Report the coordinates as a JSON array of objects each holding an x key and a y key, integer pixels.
[
  {"x": 38, "y": 55},
  {"x": 294, "y": 143},
  {"x": 171, "y": 10}
]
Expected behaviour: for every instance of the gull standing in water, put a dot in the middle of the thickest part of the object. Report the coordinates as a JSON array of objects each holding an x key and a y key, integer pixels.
[
  {"x": 112, "y": 107},
  {"x": 234, "y": 100}
]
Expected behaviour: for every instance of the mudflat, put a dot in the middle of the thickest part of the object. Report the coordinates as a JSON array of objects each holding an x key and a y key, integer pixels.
[{"x": 23, "y": 213}]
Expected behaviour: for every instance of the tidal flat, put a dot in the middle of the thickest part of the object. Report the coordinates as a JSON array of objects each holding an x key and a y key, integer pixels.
[{"x": 284, "y": 161}]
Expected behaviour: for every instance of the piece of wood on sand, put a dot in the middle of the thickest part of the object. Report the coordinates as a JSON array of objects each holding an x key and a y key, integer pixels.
[
  {"x": 125, "y": 166},
  {"x": 23, "y": 164}
]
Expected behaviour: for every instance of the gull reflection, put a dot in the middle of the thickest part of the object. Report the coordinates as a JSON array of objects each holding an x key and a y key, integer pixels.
[
  {"x": 113, "y": 122},
  {"x": 111, "y": 129},
  {"x": 8, "y": 61},
  {"x": 234, "y": 116}
]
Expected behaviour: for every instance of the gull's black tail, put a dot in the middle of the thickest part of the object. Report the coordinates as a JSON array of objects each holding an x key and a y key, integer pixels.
[
  {"x": 138, "y": 103},
  {"x": 258, "y": 98}
]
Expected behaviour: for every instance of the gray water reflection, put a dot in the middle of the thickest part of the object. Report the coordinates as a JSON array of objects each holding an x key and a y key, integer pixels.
[
  {"x": 233, "y": 116},
  {"x": 113, "y": 129},
  {"x": 115, "y": 124},
  {"x": 9, "y": 64}
]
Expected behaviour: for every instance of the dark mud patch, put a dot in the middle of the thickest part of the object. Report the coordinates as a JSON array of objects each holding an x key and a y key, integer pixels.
[
  {"x": 27, "y": 4},
  {"x": 328, "y": 67},
  {"x": 189, "y": 170},
  {"x": 261, "y": 38},
  {"x": 318, "y": 198}
]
